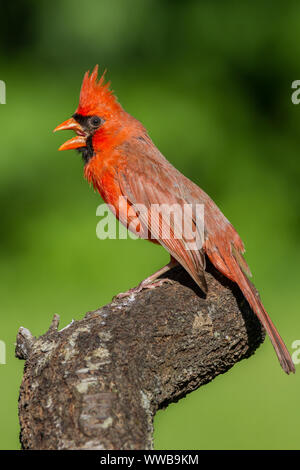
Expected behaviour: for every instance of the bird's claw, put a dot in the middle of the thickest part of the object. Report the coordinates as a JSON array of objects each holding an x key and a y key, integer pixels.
[{"x": 143, "y": 285}]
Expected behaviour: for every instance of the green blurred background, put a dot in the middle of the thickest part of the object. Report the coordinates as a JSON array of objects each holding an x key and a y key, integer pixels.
[{"x": 211, "y": 81}]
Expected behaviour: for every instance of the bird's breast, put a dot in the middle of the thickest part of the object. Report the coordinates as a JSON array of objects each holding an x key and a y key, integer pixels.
[{"x": 101, "y": 172}]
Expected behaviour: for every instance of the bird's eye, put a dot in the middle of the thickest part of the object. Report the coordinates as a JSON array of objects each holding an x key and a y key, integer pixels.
[{"x": 95, "y": 121}]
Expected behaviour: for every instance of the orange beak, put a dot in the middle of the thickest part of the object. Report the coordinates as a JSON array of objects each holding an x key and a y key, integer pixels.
[{"x": 75, "y": 142}]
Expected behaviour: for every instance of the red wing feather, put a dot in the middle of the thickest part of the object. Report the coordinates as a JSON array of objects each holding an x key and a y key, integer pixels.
[{"x": 155, "y": 185}]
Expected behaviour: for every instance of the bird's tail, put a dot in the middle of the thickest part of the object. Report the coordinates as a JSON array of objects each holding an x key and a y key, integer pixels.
[{"x": 253, "y": 299}]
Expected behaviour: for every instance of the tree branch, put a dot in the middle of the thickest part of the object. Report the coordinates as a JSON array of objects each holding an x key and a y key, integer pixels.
[{"x": 97, "y": 383}]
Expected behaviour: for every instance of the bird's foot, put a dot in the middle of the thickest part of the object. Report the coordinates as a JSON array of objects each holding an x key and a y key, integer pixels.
[{"x": 143, "y": 285}]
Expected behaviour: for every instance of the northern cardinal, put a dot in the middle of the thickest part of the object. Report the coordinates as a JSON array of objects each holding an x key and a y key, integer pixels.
[{"x": 127, "y": 169}]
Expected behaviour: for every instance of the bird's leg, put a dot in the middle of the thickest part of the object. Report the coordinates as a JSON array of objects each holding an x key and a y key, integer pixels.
[{"x": 151, "y": 282}]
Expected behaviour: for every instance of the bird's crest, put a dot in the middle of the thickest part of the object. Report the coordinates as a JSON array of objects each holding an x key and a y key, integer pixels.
[{"x": 96, "y": 96}]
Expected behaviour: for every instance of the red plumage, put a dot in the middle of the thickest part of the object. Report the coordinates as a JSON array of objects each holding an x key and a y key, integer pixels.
[{"x": 124, "y": 165}]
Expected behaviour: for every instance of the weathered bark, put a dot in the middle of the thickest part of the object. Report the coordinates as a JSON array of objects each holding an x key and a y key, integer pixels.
[{"x": 97, "y": 383}]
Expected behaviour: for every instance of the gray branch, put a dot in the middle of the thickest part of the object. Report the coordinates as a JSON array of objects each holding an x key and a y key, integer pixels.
[{"x": 97, "y": 383}]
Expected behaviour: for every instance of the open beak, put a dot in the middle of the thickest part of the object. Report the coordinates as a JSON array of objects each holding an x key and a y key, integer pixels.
[{"x": 75, "y": 142}]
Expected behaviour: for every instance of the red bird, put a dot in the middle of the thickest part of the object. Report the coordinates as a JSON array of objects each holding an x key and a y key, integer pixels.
[{"x": 123, "y": 164}]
